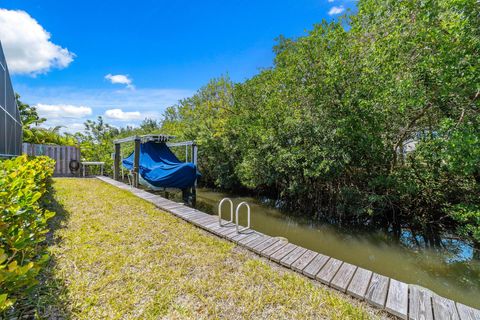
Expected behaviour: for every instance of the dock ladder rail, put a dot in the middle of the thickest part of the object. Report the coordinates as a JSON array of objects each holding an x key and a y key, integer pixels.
[
  {"x": 131, "y": 177},
  {"x": 240, "y": 230},
  {"x": 220, "y": 212}
]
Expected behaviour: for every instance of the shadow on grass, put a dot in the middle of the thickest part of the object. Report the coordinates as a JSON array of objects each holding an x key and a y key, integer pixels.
[{"x": 48, "y": 299}]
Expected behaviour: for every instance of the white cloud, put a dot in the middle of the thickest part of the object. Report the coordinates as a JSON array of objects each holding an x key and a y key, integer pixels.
[
  {"x": 120, "y": 79},
  {"x": 62, "y": 111},
  {"x": 143, "y": 100},
  {"x": 336, "y": 10},
  {"x": 119, "y": 114},
  {"x": 149, "y": 103},
  {"x": 69, "y": 125},
  {"x": 27, "y": 45},
  {"x": 330, "y": 1},
  {"x": 75, "y": 127}
]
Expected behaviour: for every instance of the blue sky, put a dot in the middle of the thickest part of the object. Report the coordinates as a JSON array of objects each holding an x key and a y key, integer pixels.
[{"x": 129, "y": 60}]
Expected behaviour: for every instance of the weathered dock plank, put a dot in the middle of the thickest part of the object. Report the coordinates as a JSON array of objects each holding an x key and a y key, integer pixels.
[
  {"x": 223, "y": 231},
  {"x": 213, "y": 228},
  {"x": 264, "y": 245},
  {"x": 343, "y": 277},
  {"x": 182, "y": 214},
  {"x": 231, "y": 234},
  {"x": 420, "y": 303},
  {"x": 377, "y": 290},
  {"x": 444, "y": 309},
  {"x": 326, "y": 274},
  {"x": 247, "y": 240},
  {"x": 195, "y": 215},
  {"x": 205, "y": 220},
  {"x": 274, "y": 248},
  {"x": 359, "y": 284},
  {"x": 467, "y": 313},
  {"x": 152, "y": 196},
  {"x": 242, "y": 236},
  {"x": 215, "y": 223},
  {"x": 139, "y": 193},
  {"x": 200, "y": 216},
  {"x": 146, "y": 196},
  {"x": 188, "y": 217},
  {"x": 182, "y": 211},
  {"x": 160, "y": 203},
  {"x": 256, "y": 242},
  {"x": 315, "y": 265},
  {"x": 397, "y": 299},
  {"x": 277, "y": 256},
  {"x": 195, "y": 222},
  {"x": 203, "y": 224},
  {"x": 171, "y": 206},
  {"x": 200, "y": 222},
  {"x": 303, "y": 260},
  {"x": 292, "y": 256},
  {"x": 149, "y": 197},
  {"x": 168, "y": 202},
  {"x": 212, "y": 225}
]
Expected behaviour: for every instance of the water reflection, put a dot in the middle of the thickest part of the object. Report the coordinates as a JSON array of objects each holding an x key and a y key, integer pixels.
[{"x": 451, "y": 272}]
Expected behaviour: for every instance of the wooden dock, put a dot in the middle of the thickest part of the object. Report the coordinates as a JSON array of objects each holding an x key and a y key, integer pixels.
[{"x": 397, "y": 298}]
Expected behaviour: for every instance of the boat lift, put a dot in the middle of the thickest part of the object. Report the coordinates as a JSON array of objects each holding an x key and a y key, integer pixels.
[{"x": 191, "y": 152}]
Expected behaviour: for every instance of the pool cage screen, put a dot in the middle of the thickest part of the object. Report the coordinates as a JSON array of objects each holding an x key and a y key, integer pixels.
[{"x": 10, "y": 123}]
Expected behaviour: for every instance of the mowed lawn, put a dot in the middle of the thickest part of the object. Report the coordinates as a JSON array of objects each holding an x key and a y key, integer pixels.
[{"x": 115, "y": 256}]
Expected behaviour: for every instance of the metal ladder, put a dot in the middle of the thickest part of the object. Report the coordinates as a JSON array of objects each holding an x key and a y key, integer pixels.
[
  {"x": 237, "y": 210},
  {"x": 220, "y": 212}
]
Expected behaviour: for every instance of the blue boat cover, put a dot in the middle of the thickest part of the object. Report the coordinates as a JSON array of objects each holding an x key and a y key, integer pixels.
[{"x": 160, "y": 167}]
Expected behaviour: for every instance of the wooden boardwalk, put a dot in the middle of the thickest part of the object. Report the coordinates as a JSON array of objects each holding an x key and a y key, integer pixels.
[{"x": 397, "y": 298}]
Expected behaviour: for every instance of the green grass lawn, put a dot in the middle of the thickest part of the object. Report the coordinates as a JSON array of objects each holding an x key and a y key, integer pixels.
[{"x": 115, "y": 256}]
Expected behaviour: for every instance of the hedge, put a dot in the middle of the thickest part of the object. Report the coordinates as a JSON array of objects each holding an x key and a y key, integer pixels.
[{"x": 23, "y": 225}]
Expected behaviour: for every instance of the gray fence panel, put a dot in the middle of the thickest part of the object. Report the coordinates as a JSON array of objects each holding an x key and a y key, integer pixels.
[{"x": 61, "y": 154}]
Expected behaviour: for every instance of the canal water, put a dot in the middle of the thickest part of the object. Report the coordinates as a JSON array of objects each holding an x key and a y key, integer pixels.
[{"x": 452, "y": 272}]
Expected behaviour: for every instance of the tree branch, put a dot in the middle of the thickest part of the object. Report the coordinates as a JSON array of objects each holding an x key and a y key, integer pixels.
[{"x": 407, "y": 130}]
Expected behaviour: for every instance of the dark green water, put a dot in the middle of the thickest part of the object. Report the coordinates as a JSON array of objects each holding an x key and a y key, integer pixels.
[{"x": 452, "y": 273}]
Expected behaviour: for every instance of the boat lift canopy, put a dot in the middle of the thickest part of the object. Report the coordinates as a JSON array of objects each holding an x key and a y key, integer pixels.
[{"x": 153, "y": 162}]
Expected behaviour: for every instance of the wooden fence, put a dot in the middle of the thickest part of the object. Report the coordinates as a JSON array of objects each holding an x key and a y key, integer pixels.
[{"x": 61, "y": 154}]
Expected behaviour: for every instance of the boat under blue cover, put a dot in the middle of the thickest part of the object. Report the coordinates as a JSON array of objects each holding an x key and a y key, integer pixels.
[{"x": 160, "y": 168}]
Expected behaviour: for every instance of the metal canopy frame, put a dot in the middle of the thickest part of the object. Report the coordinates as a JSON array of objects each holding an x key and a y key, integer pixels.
[
  {"x": 146, "y": 138},
  {"x": 159, "y": 138}
]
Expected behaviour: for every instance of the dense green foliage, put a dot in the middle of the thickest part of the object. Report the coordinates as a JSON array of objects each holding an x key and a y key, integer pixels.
[
  {"x": 329, "y": 129},
  {"x": 33, "y": 133},
  {"x": 204, "y": 118},
  {"x": 23, "y": 224}
]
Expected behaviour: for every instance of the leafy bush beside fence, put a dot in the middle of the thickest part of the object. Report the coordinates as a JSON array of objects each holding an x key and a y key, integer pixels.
[{"x": 23, "y": 224}]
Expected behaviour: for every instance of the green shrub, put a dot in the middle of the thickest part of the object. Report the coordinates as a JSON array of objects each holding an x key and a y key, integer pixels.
[{"x": 23, "y": 224}]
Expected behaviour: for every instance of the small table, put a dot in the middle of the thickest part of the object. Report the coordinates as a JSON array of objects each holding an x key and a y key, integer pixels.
[{"x": 92, "y": 163}]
